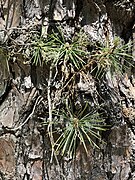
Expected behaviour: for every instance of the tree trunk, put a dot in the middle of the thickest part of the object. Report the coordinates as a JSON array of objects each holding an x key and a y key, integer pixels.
[{"x": 28, "y": 94}]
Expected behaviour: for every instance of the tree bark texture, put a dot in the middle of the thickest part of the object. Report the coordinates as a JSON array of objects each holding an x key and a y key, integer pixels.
[{"x": 25, "y": 149}]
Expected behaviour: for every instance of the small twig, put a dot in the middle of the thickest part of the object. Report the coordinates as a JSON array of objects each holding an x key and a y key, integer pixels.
[
  {"x": 6, "y": 130},
  {"x": 30, "y": 115},
  {"x": 56, "y": 73},
  {"x": 32, "y": 94},
  {"x": 8, "y": 8},
  {"x": 50, "y": 131},
  {"x": 65, "y": 85},
  {"x": 50, "y": 112}
]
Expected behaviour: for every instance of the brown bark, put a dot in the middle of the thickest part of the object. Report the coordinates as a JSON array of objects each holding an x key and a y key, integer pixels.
[{"x": 25, "y": 149}]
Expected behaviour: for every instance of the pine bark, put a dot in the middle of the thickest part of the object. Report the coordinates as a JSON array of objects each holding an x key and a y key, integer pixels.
[{"x": 25, "y": 149}]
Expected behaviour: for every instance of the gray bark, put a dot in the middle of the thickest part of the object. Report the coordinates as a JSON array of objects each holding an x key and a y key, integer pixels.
[{"x": 25, "y": 150}]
